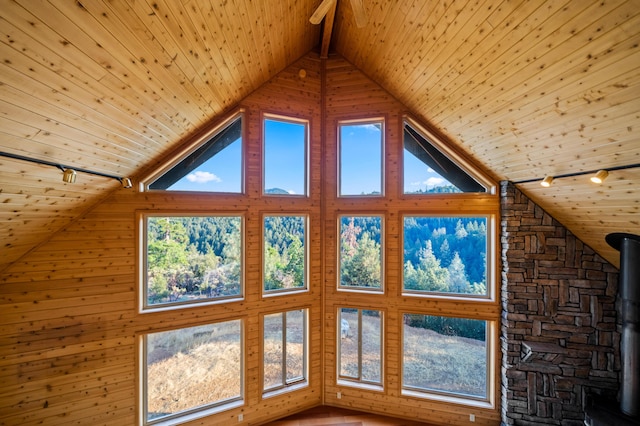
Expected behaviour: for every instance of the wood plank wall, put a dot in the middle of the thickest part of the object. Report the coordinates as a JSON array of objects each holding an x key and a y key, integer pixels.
[
  {"x": 70, "y": 324},
  {"x": 351, "y": 95}
]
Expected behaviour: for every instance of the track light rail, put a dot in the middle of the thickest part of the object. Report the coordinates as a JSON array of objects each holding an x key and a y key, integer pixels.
[{"x": 126, "y": 182}]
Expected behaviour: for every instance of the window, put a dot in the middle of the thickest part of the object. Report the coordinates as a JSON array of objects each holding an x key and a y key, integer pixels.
[
  {"x": 191, "y": 372},
  {"x": 360, "y": 346},
  {"x": 191, "y": 259},
  {"x": 213, "y": 166},
  {"x": 285, "y": 156},
  {"x": 428, "y": 170},
  {"x": 285, "y": 350},
  {"x": 446, "y": 255},
  {"x": 361, "y": 155},
  {"x": 446, "y": 356},
  {"x": 284, "y": 253},
  {"x": 360, "y": 252}
]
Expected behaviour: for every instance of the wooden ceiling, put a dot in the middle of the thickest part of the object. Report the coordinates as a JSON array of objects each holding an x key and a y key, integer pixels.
[{"x": 526, "y": 88}]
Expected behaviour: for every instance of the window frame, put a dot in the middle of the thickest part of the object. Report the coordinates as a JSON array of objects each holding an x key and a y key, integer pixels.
[
  {"x": 193, "y": 145},
  {"x": 193, "y": 413},
  {"x": 490, "y": 296},
  {"x": 142, "y": 264},
  {"x": 370, "y": 290},
  {"x": 287, "y": 385},
  {"x": 451, "y": 154},
  {"x": 492, "y": 356},
  {"x": 359, "y": 381},
  {"x": 293, "y": 120},
  {"x": 362, "y": 121},
  {"x": 286, "y": 291}
]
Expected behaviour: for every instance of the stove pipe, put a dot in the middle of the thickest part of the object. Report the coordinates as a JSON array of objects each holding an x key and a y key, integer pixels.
[{"x": 629, "y": 290}]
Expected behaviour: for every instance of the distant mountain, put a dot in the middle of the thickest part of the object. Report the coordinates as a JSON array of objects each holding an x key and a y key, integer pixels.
[{"x": 276, "y": 191}]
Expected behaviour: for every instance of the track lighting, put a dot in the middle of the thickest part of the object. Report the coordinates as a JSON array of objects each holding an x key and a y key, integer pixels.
[
  {"x": 600, "y": 176},
  {"x": 69, "y": 175}
]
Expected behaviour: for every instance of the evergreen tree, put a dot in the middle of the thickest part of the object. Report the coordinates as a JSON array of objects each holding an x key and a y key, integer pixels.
[
  {"x": 363, "y": 267},
  {"x": 458, "y": 282}
]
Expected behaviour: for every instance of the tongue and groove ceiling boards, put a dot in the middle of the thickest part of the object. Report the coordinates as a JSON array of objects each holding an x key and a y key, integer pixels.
[{"x": 525, "y": 88}]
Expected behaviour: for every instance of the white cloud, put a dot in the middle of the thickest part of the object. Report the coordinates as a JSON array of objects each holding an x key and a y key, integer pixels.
[
  {"x": 202, "y": 177},
  {"x": 434, "y": 181}
]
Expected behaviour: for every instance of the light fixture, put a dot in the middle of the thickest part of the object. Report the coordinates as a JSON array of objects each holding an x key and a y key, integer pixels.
[
  {"x": 69, "y": 176},
  {"x": 600, "y": 176},
  {"x": 546, "y": 182},
  {"x": 68, "y": 173},
  {"x": 126, "y": 182}
]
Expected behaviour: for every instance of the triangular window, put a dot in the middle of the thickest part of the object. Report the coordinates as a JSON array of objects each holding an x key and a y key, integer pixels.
[
  {"x": 429, "y": 168},
  {"x": 212, "y": 166}
]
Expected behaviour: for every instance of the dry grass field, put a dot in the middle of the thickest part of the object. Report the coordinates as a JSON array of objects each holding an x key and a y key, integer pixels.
[{"x": 190, "y": 368}]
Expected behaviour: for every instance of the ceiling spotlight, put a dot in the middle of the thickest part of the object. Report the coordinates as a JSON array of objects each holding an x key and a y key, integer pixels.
[
  {"x": 126, "y": 182},
  {"x": 69, "y": 176},
  {"x": 600, "y": 176},
  {"x": 546, "y": 182}
]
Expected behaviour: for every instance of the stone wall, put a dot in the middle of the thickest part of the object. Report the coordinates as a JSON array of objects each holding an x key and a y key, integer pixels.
[{"x": 560, "y": 338}]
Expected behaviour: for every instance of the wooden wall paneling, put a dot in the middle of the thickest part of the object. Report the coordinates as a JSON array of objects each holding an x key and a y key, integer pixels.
[
  {"x": 119, "y": 85},
  {"x": 72, "y": 320},
  {"x": 344, "y": 84}
]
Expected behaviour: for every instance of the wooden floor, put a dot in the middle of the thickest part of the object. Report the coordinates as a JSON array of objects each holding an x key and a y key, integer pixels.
[{"x": 332, "y": 416}]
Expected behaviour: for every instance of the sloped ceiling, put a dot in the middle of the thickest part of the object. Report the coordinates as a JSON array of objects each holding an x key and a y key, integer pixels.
[{"x": 526, "y": 88}]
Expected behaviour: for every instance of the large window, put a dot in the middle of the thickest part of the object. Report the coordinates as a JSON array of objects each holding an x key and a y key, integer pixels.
[
  {"x": 284, "y": 253},
  {"x": 428, "y": 170},
  {"x": 213, "y": 166},
  {"x": 446, "y": 254},
  {"x": 361, "y": 158},
  {"x": 360, "y": 346},
  {"x": 191, "y": 372},
  {"x": 361, "y": 252},
  {"x": 190, "y": 259},
  {"x": 285, "y": 350},
  {"x": 285, "y": 156},
  {"x": 446, "y": 356}
]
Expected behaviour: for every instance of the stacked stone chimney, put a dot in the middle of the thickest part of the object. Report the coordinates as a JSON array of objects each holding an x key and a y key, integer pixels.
[{"x": 560, "y": 337}]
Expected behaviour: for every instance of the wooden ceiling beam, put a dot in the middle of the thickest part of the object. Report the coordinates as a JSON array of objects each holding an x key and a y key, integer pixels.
[{"x": 327, "y": 30}]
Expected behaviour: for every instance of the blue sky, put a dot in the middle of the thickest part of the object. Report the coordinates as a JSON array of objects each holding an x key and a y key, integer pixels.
[{"x": 360, "y": 163}]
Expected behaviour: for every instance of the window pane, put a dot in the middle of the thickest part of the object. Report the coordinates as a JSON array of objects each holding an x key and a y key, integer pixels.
[
  {"x": 273, "y": 351},
  {"x": 445, "y": 355},
  {"x": 295, "y": 345},
  {"x": 216, "y": 166},
  {"x": 349, "y": 343},
  {"x": 361, "y": 158},
  {"x": 445, "y": 254},
  {"x": 361, "y": 252},
  {"x": 193, "y": 368},
  {"x": 192, "y": 259},
  {"x": 285, "y": 157},
  {"x": 360, "y": 345},
  {"x": 428, "y": 170},
  {"x": 371, "y": 324},
  {"x": 284, "y": 252},
  {"x": 285, "y": 349}
]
